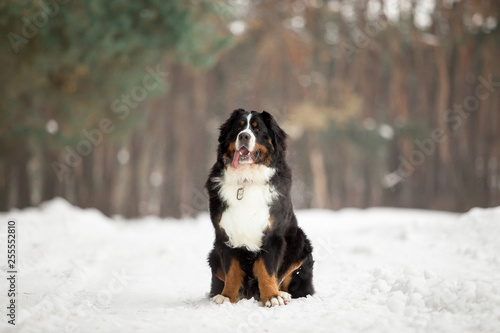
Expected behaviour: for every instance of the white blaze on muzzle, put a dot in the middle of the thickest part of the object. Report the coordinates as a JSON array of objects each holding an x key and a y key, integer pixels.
[{"x": 245, "y": 145}]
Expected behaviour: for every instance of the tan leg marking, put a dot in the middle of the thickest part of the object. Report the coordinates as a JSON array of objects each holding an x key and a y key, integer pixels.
[
  {"x": 287, "y": 277},
  {"x": 268, "y": 284},
  {"x": 232, "y": 281}
]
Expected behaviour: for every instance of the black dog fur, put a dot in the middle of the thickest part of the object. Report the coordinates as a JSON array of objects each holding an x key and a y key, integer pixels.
[{"x": 286, "y": 252}]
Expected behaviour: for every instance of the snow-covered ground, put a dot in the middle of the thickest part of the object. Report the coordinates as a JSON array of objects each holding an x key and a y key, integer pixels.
[{"x": 377, "y": 270}]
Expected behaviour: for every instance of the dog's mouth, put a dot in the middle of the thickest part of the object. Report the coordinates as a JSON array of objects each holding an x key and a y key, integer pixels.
[{"x": 244, "y": 156}]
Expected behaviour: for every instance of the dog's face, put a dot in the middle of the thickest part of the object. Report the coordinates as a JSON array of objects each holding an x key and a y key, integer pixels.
[{"x": 251, "y": 138}]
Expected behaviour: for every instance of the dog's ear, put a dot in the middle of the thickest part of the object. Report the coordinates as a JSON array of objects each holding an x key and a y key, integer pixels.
[
  {"x": 228, "y": 124},
  {"x": 278, "y": 135}
]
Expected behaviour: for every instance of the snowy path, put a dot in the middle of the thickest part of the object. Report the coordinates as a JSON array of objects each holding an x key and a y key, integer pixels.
[{"x": 377, "y": 270}]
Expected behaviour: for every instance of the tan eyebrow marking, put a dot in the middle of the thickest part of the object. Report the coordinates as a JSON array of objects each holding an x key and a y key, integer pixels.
[
  {"x": 242, "y": 123},
  {"x": 254, "y": 124}
]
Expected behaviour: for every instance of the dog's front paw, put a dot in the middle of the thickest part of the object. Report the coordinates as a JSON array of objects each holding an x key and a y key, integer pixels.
[
  {"x": 219, "y": 299},
  {"x": 286, "y": 296},
  {"x": 274, "y": 301}
]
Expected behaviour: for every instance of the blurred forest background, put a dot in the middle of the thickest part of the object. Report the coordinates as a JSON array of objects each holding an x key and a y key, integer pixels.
[{"x": 116, "y": 104}]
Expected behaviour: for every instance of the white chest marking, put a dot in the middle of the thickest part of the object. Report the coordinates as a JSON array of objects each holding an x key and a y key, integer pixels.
[{"x": 245, "y": 219}]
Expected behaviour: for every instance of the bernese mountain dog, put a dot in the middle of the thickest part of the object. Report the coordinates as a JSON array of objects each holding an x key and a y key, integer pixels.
[{"x": 259, "y": 250}]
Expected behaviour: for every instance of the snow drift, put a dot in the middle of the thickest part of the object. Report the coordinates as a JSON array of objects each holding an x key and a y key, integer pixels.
[{"x": 377, "y": 270}]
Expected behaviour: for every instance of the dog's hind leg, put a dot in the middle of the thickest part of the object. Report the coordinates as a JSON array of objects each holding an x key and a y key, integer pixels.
[
  {"x": 299, "y": 282},
  {"x": 296, "y": 272}
]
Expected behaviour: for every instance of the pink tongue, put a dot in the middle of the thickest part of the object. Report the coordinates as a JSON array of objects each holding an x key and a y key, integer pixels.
[{"x": 236, "y": 157}]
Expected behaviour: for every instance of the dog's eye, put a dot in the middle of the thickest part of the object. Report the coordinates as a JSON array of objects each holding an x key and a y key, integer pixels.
[{"x": 256, "y": 130}]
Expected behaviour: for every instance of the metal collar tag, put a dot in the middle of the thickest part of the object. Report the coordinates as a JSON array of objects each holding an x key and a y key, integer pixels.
[{"x": 239, "y": 194}]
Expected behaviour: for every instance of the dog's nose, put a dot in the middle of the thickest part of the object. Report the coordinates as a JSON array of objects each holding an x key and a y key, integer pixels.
[{"x": 244, "y": 137}]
